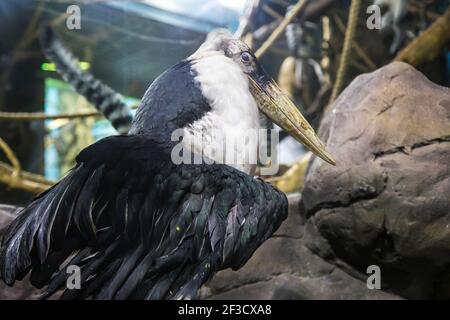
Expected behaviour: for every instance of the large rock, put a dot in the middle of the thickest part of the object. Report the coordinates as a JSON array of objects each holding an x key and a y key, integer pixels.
[{"x": 387, "y": 202}]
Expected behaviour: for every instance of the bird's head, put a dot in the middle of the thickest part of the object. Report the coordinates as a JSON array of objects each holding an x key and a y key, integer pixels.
[{"x": 275, "y": 104}]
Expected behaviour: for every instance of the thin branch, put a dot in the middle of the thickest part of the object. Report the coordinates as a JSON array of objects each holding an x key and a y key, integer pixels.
[
  {"x": 12, "y": 158},
  {"x": 15, "y": 177},
  {"x": 28, "y": 181},
  {"x": 30, "y": 116},
  {"x": 271, "y": 12},
  {"x": 415, "y": 9},
  {"x": 359, "y": 51},
  {"x": 296, "y": 9},
  {"x": 346, "y": 50}
]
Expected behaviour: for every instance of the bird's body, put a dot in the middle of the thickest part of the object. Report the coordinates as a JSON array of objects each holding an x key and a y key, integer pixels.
[
  {"x": 145, "y": 228},
  {"x": 140, "y": 226}
]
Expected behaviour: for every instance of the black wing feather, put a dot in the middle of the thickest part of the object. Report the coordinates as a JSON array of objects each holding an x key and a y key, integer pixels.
[{"x": 139, "y": 226}]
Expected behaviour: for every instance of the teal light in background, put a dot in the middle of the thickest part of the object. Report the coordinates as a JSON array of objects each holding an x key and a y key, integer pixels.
[
  {"x": 61, "y": 98},
  {"x": 51, "y": 170}
]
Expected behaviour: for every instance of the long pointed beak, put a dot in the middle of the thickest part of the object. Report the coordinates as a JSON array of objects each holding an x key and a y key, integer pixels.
[{"x": 280, "y": 109}]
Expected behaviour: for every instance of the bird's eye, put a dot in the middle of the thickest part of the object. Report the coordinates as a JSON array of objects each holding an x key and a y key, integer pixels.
[{"x": 246, "y": 57}]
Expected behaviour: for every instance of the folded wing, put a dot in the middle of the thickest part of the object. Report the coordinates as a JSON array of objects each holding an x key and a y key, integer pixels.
[{"x": 138, "y": 226}]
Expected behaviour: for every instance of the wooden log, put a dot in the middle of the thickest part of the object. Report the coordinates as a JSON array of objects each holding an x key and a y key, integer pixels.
[{"x": 429, "y": 44}]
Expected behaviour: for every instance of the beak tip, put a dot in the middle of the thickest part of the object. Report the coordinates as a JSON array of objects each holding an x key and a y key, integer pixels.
[
  {"x": 321, "y": 152},
  {"x": 329, "y": 158}
]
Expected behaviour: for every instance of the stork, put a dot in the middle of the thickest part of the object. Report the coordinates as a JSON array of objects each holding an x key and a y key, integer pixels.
[{"x": 140, "y": 226}]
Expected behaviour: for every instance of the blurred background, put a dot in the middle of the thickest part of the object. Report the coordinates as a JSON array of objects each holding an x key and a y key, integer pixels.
[{"x": 127, "y": 44}]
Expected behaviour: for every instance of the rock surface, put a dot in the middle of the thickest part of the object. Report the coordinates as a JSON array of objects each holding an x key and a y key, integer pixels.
[{"x": 386, "y": 203}]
